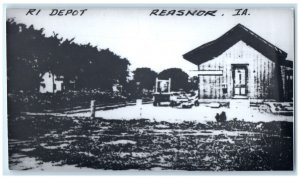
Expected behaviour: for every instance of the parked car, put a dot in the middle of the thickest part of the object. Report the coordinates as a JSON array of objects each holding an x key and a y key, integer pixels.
[
  {"x": 187, "y": 104},
  {"x": 178, "y": 98},
  {"x": 194, "y": 98}
]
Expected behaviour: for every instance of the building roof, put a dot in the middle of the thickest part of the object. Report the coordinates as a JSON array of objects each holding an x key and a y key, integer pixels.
[
  {"x": 239, "y": 32},
  {"x": 288, "y": 63}
]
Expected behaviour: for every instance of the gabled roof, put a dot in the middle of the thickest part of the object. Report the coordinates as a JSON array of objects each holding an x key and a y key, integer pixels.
[{"x": 239, "y": 32}]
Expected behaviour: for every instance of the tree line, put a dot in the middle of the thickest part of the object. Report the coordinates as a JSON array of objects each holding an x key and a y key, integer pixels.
[{"x": 30, "y": 53}]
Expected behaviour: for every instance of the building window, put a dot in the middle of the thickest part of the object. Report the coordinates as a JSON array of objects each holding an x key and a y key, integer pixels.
[{"x": 224, "y": 88}]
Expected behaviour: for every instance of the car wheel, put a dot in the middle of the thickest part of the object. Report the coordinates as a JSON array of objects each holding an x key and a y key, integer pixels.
[
  {"x": 172, "y": 104},
  {"x": 196, "y": 103}
]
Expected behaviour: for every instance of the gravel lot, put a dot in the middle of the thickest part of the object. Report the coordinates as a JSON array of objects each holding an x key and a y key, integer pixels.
[{"x": 201, "y": 113}]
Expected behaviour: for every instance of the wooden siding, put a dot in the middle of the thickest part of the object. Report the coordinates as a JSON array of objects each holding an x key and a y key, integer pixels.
[{"x": 260, "y": 73}]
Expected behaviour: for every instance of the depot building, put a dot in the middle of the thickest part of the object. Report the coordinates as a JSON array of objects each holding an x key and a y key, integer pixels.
[{"x": 241, "y": 64}]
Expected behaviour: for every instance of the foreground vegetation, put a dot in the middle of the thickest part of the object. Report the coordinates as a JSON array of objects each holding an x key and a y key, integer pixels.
[{"x": 143, "y": 144}]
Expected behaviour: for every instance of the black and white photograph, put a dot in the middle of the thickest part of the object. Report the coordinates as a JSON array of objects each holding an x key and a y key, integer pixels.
[{"x": 191, "y": 88}]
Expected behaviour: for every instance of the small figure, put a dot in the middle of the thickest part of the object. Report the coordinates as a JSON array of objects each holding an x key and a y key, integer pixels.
[
  {"x": 221, "y": 117},
  {"x": 217, "y": 117}
]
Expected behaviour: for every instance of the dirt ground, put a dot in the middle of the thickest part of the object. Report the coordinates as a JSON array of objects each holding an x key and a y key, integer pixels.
[{"x": 200, "y": 113}]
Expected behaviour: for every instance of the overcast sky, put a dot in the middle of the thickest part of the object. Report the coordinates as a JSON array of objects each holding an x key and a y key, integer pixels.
[{"x": 159, "y": 42}]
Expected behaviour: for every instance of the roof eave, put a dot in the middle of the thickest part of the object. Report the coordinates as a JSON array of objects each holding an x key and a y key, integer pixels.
[
  {"x": 188, "y": 57},
  {"x": 242, "y": 33}
]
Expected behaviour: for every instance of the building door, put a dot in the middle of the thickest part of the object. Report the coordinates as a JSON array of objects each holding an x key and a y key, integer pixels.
[
  {"x": 240, "y": 80},
  {"x": 288, "y": 85}
]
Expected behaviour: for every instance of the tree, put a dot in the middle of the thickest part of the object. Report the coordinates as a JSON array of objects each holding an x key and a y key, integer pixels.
[
  {"x": 23, "y": 56},
  {"x": 30, "y": 53},
  {"x": 194, "y": 83},
  {"x": 145, "y": 77},
  {"x": 179, "y": 79}
]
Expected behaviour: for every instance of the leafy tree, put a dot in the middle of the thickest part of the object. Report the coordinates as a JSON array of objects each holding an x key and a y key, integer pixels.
[
  {"x": 146, "y": 78},
  {"x": 179, "y": 79},
  {"x": 30, "y": 53},
  {"x": 194, "y": 83},
  {"x": 23, "y": 58}
]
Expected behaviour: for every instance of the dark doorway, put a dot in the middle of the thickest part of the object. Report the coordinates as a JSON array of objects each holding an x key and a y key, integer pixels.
[{"x": 240, "y": 76}]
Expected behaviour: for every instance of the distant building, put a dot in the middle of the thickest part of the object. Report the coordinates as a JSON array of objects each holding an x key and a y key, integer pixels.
[
  {"x": 117, "y": 87},
  {"x": 51, "y": 83},
  {"x": 241, "y": 64}
]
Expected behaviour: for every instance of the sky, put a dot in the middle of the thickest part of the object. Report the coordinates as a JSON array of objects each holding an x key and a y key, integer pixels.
[{"x": 159, "y": 42}]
